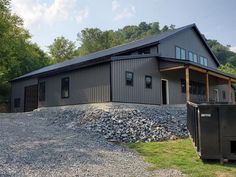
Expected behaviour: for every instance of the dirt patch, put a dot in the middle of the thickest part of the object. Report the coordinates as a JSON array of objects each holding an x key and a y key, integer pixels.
[{"x": 4, "y": 108}]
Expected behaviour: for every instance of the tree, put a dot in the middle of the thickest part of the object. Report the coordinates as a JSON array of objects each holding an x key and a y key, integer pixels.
[
  {"x": 232, "y": 60},
  {"x": 165, "y": 28},
  {"x": 172, "y": 27},
  {"x": 94, "y": 39},
  {"x": 228, "y": 68},
  {"x": 222, "y": 52},
  {"x": 17, "y": 54},
  {"x": 62, "y": 49}
]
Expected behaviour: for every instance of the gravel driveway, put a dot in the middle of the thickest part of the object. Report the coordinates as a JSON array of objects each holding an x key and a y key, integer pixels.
[{"x": 30, "y": 146}]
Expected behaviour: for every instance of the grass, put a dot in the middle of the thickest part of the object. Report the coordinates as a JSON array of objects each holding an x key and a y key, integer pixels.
[{"x": 181, "y": 155}]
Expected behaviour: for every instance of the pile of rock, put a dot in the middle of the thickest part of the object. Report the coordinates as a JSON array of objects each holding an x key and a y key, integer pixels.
[{"x": 123, "y": 122}]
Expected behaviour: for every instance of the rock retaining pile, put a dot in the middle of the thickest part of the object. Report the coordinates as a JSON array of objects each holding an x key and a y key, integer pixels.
[{"x": 120, "y": 122}]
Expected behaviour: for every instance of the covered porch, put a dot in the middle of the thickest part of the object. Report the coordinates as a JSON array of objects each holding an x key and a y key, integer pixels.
[{"x": 189, "y": 82}]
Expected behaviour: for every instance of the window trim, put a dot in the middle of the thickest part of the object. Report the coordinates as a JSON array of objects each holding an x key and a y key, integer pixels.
[
  {"x": 193, "y": 54},
  {"x": 196, "y": 58},
  {"x": 190, "y": 52},
  {"x": 44, "y": 94},
  {"x": 62, "y": 96},
  {"x": 181, "y": 48},
  {"x": 204, "y": 60},
  {"x": 201, "y": 60},
  {"x": 196, "y": 88},
  {"x": 176, "y": 52},
  {"x": 129, "y": 72},
  {"x": 146, "y": 76}
]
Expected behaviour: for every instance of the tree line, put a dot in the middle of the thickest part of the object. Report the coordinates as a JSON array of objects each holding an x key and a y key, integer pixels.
[{"x": 18, "y": 55}]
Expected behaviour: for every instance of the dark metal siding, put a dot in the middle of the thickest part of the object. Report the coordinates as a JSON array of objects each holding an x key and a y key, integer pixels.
[
  {"x": 17, "y": 91},
  {"x": 136, "y": 93},
  {"x": 188, "y": 40},
  {"x": 175, "y": 94},
  {"x": 87, "y": 85},
  {"x": 167, "y": 64},
  {"x": 174, "y": 79}
]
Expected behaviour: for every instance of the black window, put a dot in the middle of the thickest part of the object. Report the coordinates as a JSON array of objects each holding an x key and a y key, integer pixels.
[
  {"x": 177, "y": 52},
  {"x": 201, "y": 89},
  {"x": 192, "y": 56},
  {"x": 65, "y": 85},
  {"x": 195, "y": 58},
  {"x": 223, "y": 94},
  {"x": 180, "y": 53},
  {"x": 148, "y": 81},
  {"x": 17, "y": 102},
  {"x": 195, "y": 88},
  {"x": 144, "y": 51},
  {"x": 183, "y": 54},
  {"x": 203, "y": 61},
  {"x": 42, "y": 91},
  {"x": 129, "y": 77}
]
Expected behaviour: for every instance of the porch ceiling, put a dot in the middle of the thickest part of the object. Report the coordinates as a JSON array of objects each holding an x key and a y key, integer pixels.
[
  {"x": 201, "y": 69},
  {"x": 187, "y": 66}
]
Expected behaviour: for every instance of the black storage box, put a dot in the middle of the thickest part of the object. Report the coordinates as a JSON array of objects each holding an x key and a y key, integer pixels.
[{"x": 213, "y": 130}]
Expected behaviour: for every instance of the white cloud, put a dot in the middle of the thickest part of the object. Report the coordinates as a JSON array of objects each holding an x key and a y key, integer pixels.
[
  {"x": 233, "y": 49},
  {"x": 82, "y": 15},
  {"x": 122, "y": 12},
  {"x": 34, "y": 11}
]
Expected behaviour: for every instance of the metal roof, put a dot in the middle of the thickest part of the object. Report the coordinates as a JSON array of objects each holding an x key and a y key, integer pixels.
[{"x": 112, "y": 52}]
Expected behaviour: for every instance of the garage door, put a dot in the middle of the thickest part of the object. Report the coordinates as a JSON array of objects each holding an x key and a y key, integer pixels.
[{"x": 31, "y": 98}]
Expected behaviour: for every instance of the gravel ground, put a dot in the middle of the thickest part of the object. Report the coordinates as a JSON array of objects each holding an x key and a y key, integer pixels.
[{"x": 30, "y": 146}]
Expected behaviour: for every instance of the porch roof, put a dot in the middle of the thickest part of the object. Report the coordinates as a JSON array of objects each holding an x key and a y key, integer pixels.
[{"x": 196, "y": 67}]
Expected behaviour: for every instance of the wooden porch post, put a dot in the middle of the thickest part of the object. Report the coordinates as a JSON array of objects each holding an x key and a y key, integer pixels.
[
  {"x": 187, "y": 84},
  {"x": 230, "y": 90},
  {"x": 207, "y": 87}
]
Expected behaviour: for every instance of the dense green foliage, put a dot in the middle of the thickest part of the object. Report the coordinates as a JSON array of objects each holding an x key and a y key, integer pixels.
[
  {"x": 94, "y": 39},
  {"x": 62, "y": 49},
  {"x": 228, "y": 68},
  {"x": 17, "y": 54},
  {"x": 181, "y": 155},
  {"x": 222, "y": 52}
]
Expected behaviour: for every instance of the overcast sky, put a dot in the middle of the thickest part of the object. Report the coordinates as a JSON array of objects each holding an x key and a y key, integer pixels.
[{"x": 47, "y": 19}]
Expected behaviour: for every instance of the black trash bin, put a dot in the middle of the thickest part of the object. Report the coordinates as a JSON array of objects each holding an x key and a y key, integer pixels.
[{"x": 213, "y": 130}]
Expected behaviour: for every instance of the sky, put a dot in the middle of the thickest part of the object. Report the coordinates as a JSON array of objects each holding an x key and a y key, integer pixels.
[{"x": 48, "y": 19}]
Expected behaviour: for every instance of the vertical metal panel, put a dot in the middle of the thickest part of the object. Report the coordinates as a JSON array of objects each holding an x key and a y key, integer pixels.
[
  {"x": 174, "y": 79},
  {"x": 87, "y": 85},
  {"x": 136, "y": 93},
  {"x": 17, "y": 91},
  {"x": 166, "y": 64},
  {"x": 188, "y": 40}
]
